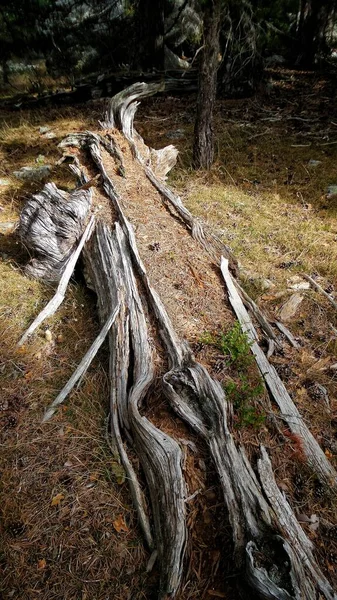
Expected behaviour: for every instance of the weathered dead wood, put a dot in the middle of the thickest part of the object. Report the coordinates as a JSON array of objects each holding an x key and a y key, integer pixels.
[
  {"x": 51, "y": 224},
  {"x": 82, "y": 367},
  {"x": 301, "y": 547},
  {"x": 112, "y": 274},
  {"x": 121, "y": 115},
  {"x": 288, "y": 410},
  {"x": 58, "y": 298},
  {"x": 320, "y": 289},
  {"x": 259, "y": 316},
  {"x": 271, "y": 551},
  {"x": 200, "y": 402},
  {"x": 283, "y": 329}
]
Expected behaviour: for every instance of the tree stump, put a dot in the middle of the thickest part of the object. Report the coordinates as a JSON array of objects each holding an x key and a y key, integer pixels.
[{"x": 151, "y": 264}]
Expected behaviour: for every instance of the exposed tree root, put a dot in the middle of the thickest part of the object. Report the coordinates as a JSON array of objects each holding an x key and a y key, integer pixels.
[{"x": 272, "y": 552}]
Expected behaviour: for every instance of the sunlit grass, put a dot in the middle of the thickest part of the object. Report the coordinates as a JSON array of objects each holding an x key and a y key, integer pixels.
[{"x": 264, "y": 230}]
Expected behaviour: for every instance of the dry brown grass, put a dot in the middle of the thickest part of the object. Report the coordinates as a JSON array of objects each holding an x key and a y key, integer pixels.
[{"x": 70, "y": 550}]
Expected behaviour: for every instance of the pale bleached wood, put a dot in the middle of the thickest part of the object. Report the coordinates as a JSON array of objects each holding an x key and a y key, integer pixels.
[
  {"x": 320, "y": 289},
  {"x": 259, "y": 316},
  {"x": 287, "y": 334},
  {"x": 290, "y": 527},
  {"x": 121, "y": 114},
  {"x": 58, "y": 298},
  {"x": 265, "y": 551},
  {"x": 82, "y": 367},
  {"x": 314, "y": 453},
  {"x": 51, "y": 224},
  {"x": 112, "y": 274},
  {"x": 200, "y": 402}
]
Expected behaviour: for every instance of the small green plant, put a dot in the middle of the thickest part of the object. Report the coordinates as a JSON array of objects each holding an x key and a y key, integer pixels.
[
  {"x": 209, "y": 339},
  {"x": 242, "y": 394},
  {"x": 235, "y": 345}
]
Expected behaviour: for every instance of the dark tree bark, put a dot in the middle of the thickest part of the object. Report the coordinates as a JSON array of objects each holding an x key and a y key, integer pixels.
[
  {"x": 314, "y": 19},
  {"x": 203, "y": 148},
  {"x": 151, "y": 35}
]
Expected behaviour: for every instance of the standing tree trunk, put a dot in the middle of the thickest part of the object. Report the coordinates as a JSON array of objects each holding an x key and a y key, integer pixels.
[
  {"x": 203, "y": 148},
  {"x": 314, "y": 19}
]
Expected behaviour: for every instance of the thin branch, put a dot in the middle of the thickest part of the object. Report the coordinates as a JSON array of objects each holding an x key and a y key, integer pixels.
[
  {"x": 83, "y": 366},
  {"x": 313, "y": 452},
  {"x": 320, "y": 289}
]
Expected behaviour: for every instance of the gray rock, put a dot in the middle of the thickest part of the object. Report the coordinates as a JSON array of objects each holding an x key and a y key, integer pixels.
[
  {"x": 175, "y": 135},
  {"x": 331, "y": 191},
  {"x": 297, "y": 283},
  {"x": 8, "y": 227},
  {"x": 275, "y": 60},
  {"x": 50, "y": 135},
  {"x": 33, "y": 173},
  {"x": 43, "y": 130},
  {"x": 4, "y": 181},
  {"x": 314, "y": 163},
  {"x": 266, "y": 284}
]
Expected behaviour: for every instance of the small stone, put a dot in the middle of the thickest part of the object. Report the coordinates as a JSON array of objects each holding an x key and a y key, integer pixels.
[
  {"x": 314, "y": 163},
  {"x": 289, "y": 309},
  {"x": 296, "y": 283},
  {"x": 48, "y": 335},
  {"x": 50, "y": 135},
  {"x": 275, "y": 60},
  {"x": 4, "y": 182},
  {"x": 44, "y": 129},
  {"x": 33, "y": 173},
  {"x": 331, "y": 191},
  {"x": 8, "y": 226},
  {"x": 266, "y": 284},
  {"x": 175, "y": 135},
  {"x": 60, "y": 338}
]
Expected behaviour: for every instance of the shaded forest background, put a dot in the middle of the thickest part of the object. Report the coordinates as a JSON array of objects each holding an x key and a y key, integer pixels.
[
  {"x": 73, "y": 39},
  {"x": 222, "y": 46}
]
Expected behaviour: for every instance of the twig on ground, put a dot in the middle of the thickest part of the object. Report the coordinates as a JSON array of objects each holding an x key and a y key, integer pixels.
[
  {"x": 287, "y": 334},
  {"x": 320, "y": 289},
  {"x": 82, "y": 367}
]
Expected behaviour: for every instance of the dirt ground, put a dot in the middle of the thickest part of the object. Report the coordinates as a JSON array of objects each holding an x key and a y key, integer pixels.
[{"x": 68, "y": 528}]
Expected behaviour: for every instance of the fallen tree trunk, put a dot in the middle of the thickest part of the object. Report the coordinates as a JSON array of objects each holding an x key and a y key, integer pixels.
[
  {"x": 272, "y": 553},
  {"x": 104, "y": 86}
]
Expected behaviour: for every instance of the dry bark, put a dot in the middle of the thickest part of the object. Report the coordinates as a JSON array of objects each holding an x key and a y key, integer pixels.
[{"x": 271, "y": 550}]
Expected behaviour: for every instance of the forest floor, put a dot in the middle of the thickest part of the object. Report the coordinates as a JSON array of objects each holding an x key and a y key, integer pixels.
[{"x": 67, "y": 523}]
